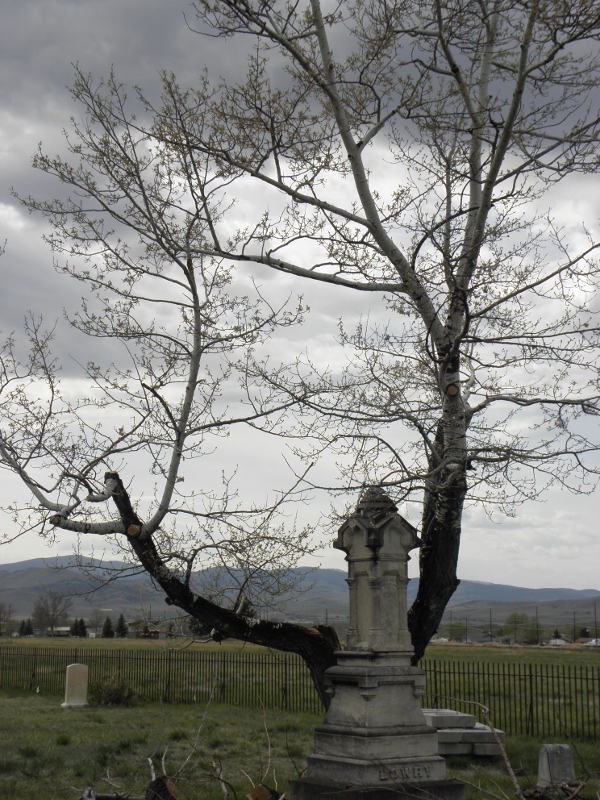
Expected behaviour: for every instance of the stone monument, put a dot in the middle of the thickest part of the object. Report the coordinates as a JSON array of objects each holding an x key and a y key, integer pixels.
[
  {"x": 556, "y": 771},
  {"x": 76, "y": 686},
  {"x": 375, "y": 742}
]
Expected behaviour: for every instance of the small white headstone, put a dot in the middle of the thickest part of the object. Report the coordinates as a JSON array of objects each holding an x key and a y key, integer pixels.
[
  {"x": 76, "y": 686},
  {"x": 555, "y": 766}
]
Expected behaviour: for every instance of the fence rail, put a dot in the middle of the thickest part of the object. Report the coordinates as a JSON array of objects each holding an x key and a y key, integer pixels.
[
  {"x": 529, "y": 699},
  {"x": 271, "y": 680}
]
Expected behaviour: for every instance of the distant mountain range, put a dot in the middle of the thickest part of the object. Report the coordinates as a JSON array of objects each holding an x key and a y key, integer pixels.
[{"x": 326, "y": 591}]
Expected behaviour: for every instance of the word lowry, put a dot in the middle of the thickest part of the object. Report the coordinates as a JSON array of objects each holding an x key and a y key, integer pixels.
[{"x": 408, "y": 773}]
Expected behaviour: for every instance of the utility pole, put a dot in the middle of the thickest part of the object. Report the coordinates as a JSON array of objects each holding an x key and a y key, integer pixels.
[
  {"x": 491, "y": 634},
  {"x": 574, "y": 627},
  {"x": 537, "y": 626},
  {"x": 451, "y": 639},
  {"x": 595, "y": 623},
  {"x": 466, "y": 630}
]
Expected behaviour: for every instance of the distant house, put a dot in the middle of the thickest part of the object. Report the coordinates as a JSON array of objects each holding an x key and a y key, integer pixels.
[
  {"x": 558, "y": 641},
  {"x": 144, "y": 630},
  {"x": 60, "y": 631}
]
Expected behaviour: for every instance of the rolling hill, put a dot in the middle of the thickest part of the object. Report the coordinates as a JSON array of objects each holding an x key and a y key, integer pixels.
[{"x": 325, "y": 591}]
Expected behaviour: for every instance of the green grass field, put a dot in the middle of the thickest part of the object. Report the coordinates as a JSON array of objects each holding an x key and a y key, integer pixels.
[
  {"x": 54, "y": 753},
  {"x": 575, "y": 655},
  {"x": 49, "y": 753},
  {"x": 485, "y": 776},
  {"x": 126, "y": 644},
  {"x": 578, "y": 655}
]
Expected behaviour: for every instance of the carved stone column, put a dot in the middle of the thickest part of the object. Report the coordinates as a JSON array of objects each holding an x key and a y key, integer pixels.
[{"x": 375, "y": 741}]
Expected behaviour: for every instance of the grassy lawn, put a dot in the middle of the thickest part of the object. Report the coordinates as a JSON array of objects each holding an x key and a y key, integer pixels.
[
  {"x": 575, "y": 655},
  {"x": 489, "y": 774},
  {"x": 229, "y": 645},
  {"x": 53, "y": 754}
]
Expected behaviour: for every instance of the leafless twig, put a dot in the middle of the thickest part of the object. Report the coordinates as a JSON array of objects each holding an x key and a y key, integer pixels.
[
  {"x": 218, "y": 771},
  {"x": 486, "y": 715},
  {"x": 194, "y": 746},
  {"x": 264, "y": 777}
]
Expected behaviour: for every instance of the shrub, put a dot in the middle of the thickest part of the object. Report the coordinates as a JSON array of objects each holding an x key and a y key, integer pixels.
[
  {"x": 28, "y": 751},
  {"x": 110, "y": 691}
]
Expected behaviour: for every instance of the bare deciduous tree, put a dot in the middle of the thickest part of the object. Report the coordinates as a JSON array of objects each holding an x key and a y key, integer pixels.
[
  {"x": 410, "y": 147},
  {"x": 403, "y": 151},
  {"x": 8, "y": 623},
  {"x": 50, "y": 610}
]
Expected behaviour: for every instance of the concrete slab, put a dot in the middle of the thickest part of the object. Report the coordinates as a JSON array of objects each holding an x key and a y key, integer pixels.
[
  {"x": 447, "y": 718},
  {"x": 452, "y": 735},
  {"x": 486, "y": 750},
  {"x": 455, "y": 748},
  {"x": 482, "y": 734}
]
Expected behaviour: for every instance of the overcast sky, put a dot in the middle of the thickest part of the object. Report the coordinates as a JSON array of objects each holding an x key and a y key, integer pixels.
[{"x": 551, "y": 543}]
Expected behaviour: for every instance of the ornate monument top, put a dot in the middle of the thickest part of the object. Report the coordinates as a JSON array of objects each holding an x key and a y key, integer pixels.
[
  {"x": 377, "y": 541},
  {"x": 374, "y": 501}
]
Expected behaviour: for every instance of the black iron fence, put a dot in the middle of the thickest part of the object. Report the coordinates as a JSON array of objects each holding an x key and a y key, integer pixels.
[
  {"x": 272, "y": 680},
  {"x": 532, "y": 699}
]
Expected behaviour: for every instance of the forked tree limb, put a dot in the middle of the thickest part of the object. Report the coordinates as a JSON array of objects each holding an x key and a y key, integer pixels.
[{"x": 316, "y": 646}]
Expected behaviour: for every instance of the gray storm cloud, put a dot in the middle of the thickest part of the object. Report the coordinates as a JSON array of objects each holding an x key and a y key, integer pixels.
[{"x": 39, "y": 43}]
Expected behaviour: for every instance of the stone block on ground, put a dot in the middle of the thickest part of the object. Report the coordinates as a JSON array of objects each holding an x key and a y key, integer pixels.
[
  {"x": 486, "y": 750},
  {"x": 461, "y": 734},
  {"x": 455, "y": 748},
  {"x": 482, "y": 734},
  {"x": 451, "y": 735},
  {"x": 447, "y": 718}
]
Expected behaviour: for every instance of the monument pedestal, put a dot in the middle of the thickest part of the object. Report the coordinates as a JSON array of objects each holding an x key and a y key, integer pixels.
[
  {"x": 375, "y": 742},
  {"x": 309, "y": 789},
  {"x": 375, "y": 731}
]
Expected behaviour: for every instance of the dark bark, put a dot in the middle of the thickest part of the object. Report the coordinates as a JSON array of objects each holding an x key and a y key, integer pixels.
[
  {"x": 161, "y": 788},
  {"x": 121, "y": 499},
  {"x": 316, "y": 646},
  {"x": 442, "y": 514}
]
